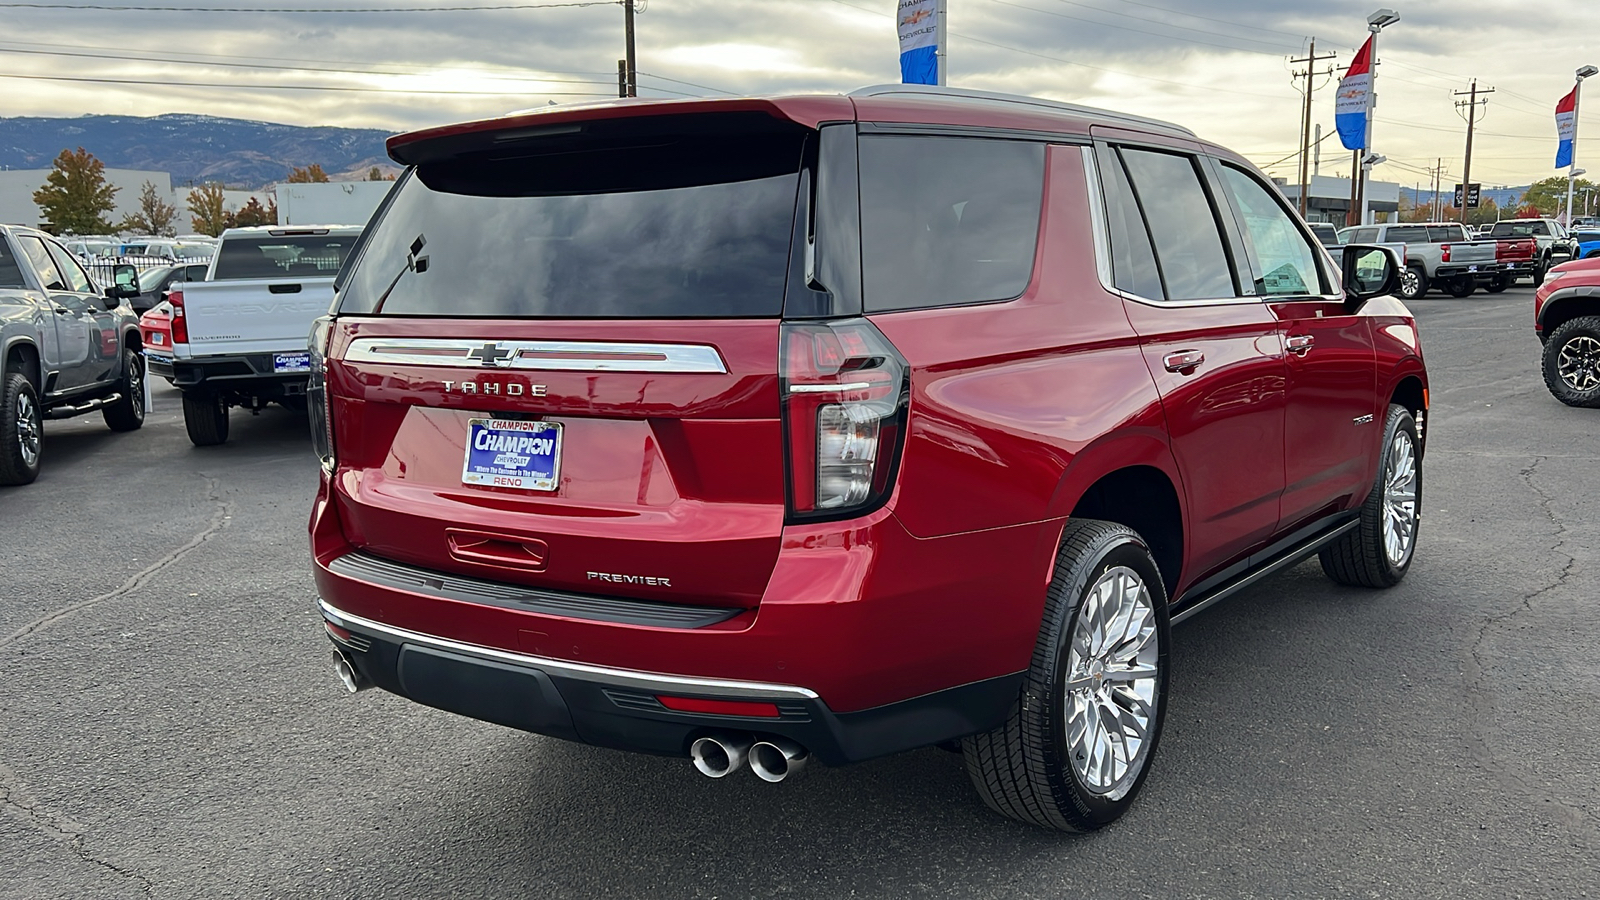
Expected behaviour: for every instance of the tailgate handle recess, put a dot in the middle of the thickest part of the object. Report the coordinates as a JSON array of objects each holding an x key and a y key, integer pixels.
[
  {"x": 505, "y": 551},
  {"x": 284, "y": 288}
]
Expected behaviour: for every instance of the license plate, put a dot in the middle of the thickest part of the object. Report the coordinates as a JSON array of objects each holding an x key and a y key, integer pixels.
[
  {"x": 291, "y": 362},
  {"x": 158, "y": 339},
  {"x": 1472, "y": 268},
  {"x": 511, "y": 454}
]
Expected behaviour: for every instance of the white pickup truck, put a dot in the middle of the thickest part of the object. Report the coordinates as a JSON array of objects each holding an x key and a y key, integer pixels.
[
  {"x": 239, "y": 337},
  {"x": 1438, "y": 254}
]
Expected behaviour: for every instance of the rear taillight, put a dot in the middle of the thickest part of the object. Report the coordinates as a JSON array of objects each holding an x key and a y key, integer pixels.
[
  {"x": 844, "y": 409},
  {"x": 180, "y": 325},
  {"x": 1444, "y": 252},
  {"x": 317, "y": 392}
]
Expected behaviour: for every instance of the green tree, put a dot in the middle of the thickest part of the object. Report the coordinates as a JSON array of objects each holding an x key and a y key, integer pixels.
[
  {"x": 75, "y": 196},
  {"x": 155, "y": 215},
  {"x": 311, "y": 174},
  {"x": 208, "y": 209},
  {"x": 1549, "y": 195}
]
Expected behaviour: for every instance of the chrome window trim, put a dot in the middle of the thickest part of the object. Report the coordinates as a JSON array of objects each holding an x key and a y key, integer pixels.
[
  {"x": 628, "y": 678},
  {"x": 452, "y": 353}
]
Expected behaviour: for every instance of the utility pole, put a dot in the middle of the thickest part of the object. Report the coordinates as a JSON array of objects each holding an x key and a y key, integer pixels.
[
  {"x": 1353, "y": 217},
  {"x": 1311, "y": 59},
  {"x": 1316, "y": 153},
  {"x": 1471, "y": 106},
  {"x": 632, "y": 80}
]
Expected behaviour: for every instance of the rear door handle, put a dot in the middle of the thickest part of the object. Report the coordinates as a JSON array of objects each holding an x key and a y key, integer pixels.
[
  {"x": 1300, "y": 343},
  {"x": 1184, "y": 362}
]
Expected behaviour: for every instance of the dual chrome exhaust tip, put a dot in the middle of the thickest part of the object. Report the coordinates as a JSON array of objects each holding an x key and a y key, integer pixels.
[
  {"x": 349, "y": 675},
  {"x": 772, "y": 759}
]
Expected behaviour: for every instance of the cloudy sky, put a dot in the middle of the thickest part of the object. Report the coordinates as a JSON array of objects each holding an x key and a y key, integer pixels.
[{"x": 1218, "y": 66}]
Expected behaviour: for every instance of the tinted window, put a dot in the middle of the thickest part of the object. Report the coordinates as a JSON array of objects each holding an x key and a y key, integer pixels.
[
  {"x": 1407, "y": 234},
  {"x": 77, "y": 279},
  {"x": 1285, "y": 263},
  {"x": 39, "y": 257},
  {"x": 149, "y": 279},
  {"x": 1182, "y": 223},
  {"x": 1133, "y": 258},
  {"x": 677, "y": 227},
  {"x": 946, "y": 221},
  {"x": 289, "y": 256},
  {"x": 10, "y": 272},
  {"x": 1365, "y": 236},
  {"x": 1443, "y": 234}
]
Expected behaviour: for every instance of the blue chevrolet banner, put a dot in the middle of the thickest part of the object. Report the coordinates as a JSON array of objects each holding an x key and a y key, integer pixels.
[{"x": 919, "y": 41}]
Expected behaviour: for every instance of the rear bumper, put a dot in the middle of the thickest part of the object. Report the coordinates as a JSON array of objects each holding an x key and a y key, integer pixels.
[
  {"x": 1480, "y": 270},
  {"x": 619, "y": 708},
  {"x": 254, "y": 371}
]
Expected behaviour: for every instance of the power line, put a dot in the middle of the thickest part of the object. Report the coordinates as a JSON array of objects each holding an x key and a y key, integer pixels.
[
  {"x": 689, "y": 83},
  {"x": 302, "y": 87},
  {"x": 1193, "y": 16},
  {"x": 252, "y": 9},
  {"x": 1275, "y": 52}
]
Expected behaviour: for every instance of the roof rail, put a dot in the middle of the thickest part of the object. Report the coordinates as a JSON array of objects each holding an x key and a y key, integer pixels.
[{"x": 927, "y": 90}]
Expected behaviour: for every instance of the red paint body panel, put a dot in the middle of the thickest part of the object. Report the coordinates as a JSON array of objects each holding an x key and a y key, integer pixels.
[{"x": 1579, "y": 273}]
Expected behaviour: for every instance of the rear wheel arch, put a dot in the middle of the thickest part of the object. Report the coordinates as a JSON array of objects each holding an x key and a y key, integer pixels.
[{"x": 1132, "y": 481}]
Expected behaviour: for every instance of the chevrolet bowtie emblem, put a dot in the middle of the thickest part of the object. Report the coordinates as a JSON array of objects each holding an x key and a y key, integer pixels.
[{"x": 492, "y": 355}]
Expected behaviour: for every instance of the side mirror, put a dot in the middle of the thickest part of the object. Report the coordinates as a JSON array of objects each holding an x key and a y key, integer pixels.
[
  {"x": 1370, "y": 270},
  {"x": 124, "y": 283}
]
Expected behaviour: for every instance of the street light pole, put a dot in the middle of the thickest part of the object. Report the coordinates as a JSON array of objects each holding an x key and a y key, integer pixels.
[
  {"x": 1375, "y": 24},
  {"x": 1577, "y": 103}
]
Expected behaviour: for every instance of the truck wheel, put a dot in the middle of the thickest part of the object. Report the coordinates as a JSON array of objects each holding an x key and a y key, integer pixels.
[
  {"x": 1413, "y": 283},
  {"x": 205, "y": 416},
  {"x": 1461, "y": 286},
  {"x": 1571, "y": 362},
  {"x": 1077, "y": 746},
  {"x": 1539, "y": 271},
  {"x": 1498, "y": 284},
  {"x": 21, "y": 430},
  {"x": 127, "y": 414},
  {"x": 1377, "y": 552}
]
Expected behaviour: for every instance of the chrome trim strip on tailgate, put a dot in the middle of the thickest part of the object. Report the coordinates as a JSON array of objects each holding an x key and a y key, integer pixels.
[
  {"x": 573, "y": 356},
  {"x": 646, "y": 681}
]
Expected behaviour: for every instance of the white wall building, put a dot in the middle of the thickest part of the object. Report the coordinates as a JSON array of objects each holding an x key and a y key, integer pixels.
[
  {"x": 332, "y": 203},
  {"x": 17, "y": 187}
]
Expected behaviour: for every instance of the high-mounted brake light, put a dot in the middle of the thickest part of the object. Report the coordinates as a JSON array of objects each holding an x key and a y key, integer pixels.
[
  {"x": 317, "y": 393},
  {"x": 180, "y": 324},
  {"x": 844, "y": 403}
]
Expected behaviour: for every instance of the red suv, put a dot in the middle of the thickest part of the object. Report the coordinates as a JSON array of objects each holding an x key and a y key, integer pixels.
[
  {"x": 761, "y": 430},
  {"x": 1566, "y": 316}
]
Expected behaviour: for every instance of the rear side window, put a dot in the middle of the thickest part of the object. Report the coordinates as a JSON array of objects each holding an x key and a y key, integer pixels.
[
  {"x": 1182, "y": 223},
  {"x": 1441, "y": 234},
  {"x": 1133, "y": 257},
  {"x": 947, "y": 221},
  {"x": 288, "y": 256},
  {"x": 10, "y": 272}
]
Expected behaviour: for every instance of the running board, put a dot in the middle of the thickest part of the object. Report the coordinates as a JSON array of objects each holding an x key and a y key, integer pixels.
[
  {"x": 1293, "y": 556},
  {"x": 67, "y": 412}
]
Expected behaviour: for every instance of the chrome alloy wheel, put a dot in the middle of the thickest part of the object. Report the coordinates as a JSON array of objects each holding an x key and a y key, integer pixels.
[
  {"x": 30, "y": 429},
  {"x": 1410, "y": 284},
  {"x": 1112, "y": 680},
  {"x": 136, "y": 385},
  {"x": 1579, "y": 363},
  {"x": 1400, "y": 499}
]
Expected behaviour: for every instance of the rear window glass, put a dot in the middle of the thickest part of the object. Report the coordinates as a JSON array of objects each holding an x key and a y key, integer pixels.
[
  {"x": 1413, "y": 234},
  {"x": 1443, "y": 234},
  {"x": 678, "y": 226},
  {"x": 947, "y": 221},
  {"x": 1519, "y": 229},
  {"x": 10, "y": 272},
  {"x": 286, "y": 256}
]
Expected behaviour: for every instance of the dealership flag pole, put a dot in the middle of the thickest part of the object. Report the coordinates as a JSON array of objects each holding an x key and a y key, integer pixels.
[{"x": 921, "y": 29}]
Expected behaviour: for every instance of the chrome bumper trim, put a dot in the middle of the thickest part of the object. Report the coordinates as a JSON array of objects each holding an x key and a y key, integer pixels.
[{"x": 628, "y": 678}]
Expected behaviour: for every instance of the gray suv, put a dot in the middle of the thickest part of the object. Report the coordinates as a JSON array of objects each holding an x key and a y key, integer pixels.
[{"x": 68, "y": 347}]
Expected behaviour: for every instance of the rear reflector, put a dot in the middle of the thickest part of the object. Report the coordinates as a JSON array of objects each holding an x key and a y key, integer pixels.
[
  {"x": 338, "y": 634},
  {"x": 721, "y": 707}
]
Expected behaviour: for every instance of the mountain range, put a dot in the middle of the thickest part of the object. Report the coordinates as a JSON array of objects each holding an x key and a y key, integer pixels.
[{"x": 196, "y": 149}]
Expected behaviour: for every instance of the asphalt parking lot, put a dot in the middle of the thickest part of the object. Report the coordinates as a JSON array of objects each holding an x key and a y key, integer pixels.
[{"x": 170, "y": 725}]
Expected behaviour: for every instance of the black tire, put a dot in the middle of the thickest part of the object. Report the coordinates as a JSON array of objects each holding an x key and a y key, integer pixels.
[
  {"x": 1461, "y": 286},
  {"x": 127, "y": 414},
  {"x": 1026, "y": 769},
  {"x": 1498, "y": 285},
  {"x": 1540, "y": 270},
  {"x": 1361, "y": 558},
  {"x": 1574, "y": 345},
  {"x": 21, "y": 430},
  {"x": 1413, "y": 283},
  {"x": 1592, "y": 254},
  {"x": 205, "y": 416}
]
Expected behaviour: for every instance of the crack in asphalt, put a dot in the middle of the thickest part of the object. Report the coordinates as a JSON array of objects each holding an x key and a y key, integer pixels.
[
  {"x": 1479, "y": 695},
  {"x": 12, "y": 799}
]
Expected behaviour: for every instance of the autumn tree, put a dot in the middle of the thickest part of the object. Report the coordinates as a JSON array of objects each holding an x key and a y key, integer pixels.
[
  {"x": 377, "y": 174},
  {"x": 75, "y": 196},
  {"x": 311, "y": 174},
  {"x": 1549, "y": 195},
  {"x": 208, "y": 209},
  {"x": 155, "y": 215},
  {"x": 253, "y": 213}
]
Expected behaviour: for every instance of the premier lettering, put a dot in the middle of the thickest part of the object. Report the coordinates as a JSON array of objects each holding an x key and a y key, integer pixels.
[
  {"x": 514, "y": 443},
  {"x": 630, "y": 579}
]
